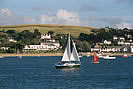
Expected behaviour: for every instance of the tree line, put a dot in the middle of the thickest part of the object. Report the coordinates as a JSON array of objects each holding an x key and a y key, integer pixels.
[{"x": 83, "y": 43}]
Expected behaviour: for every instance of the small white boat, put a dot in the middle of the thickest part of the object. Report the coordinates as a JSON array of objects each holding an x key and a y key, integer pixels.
[
  {"x": 100, "y": 55},
  {"x": 109, "y": 57},
  {"x": 80, "y": 56},
  {"x": 88, "y": 56},
  {"x": 20, "y": 57},
  {"x": 1, "y": 56}
]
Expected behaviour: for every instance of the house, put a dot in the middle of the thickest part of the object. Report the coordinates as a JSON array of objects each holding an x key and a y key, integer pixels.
[
  {"x": 121, "y": 38},
  {"x": 121, "y": 43},
  {"x": 45, "y": 36},
  {"x": 115, "y": 38},
  {"x": 111, "y": 49},
  {"x": 128, "y": 43},
  {"x": 128, "y": 36},
  {"x": 12, "y": 40},
  {"x": 107, "y": 42},
  {"x": 131, "y": 47},
  {"x": 4, "y": 48}
]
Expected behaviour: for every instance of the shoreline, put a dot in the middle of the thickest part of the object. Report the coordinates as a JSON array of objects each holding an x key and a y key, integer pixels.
[{"x": 58, "y": 54}]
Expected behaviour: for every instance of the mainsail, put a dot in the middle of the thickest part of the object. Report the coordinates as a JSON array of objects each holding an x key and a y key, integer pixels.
[
  {"x": 67, "y": 53},
  {"x": 74, "y": 55}
]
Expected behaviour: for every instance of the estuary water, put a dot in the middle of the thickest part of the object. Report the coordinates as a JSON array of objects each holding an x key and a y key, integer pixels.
[{"x": 40, "y": 73}]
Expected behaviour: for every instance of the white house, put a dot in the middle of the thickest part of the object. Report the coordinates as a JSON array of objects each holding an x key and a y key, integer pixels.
[
  {"x": 12, "y": 40},
  {"x": 4, "y": 48},
  {"x": 121, "y": 43},
  {"x": 107, "y": 42},
  {"x": 122, "y": 38},
  {"x": 115, "y": 38},
  {"x": 46, "y": 36},
  {"x": 131, "y": 49}
]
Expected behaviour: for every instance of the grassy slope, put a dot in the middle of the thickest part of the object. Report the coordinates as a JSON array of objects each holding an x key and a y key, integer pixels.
[{"x": 44, "y": 28}]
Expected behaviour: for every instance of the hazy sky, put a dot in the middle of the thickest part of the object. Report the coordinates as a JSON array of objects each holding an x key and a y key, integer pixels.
[{"x": 94, "y": 13}]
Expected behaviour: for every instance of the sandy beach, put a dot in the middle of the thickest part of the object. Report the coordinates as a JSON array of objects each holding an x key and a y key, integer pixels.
[{"x": 56, "y": 54}]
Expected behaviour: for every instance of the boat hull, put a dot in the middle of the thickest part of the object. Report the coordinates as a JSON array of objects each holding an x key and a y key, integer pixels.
[
  {"x": 96, "y": 62},
  {"x": 111, "y": 58},
  {"x": 67, "y": 66}
]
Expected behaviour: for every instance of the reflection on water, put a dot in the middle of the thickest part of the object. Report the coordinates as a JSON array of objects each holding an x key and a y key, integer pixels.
[{"x": 71, "y": 70}]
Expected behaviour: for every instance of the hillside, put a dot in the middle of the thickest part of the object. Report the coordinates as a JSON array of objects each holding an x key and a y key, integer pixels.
[{"x": 44, "y": 28}]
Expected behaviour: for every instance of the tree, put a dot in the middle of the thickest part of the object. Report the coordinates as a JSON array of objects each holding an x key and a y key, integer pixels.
[
  {"x": 50, "y": 32},
  {"x": 11, "y": 31},
  {"x": 19, "y": 47},
  {"x": 25, "y": 36},
  {"x": 37, "y": 34},
  {"x": 82, "y": 46}
]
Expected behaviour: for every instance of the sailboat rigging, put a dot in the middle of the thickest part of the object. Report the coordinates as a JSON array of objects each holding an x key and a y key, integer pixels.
[{"x": 69, "y": 59}]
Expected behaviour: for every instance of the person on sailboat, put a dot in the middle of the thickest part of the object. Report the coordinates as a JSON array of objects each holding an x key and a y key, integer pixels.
[{"x": 59, "y": 62}]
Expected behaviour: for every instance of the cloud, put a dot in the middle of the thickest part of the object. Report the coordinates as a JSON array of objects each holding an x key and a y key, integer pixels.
[
  {"x": 7, "y": 17},
  {"x": 62, "y": 17},
  {"x": 124, "y": 25},
  {"x": 29, "y": 19},
  {"x": 117, "y": 22},
  {"x": 112, "y": 20},
  {"x": 5, "y": 12}
]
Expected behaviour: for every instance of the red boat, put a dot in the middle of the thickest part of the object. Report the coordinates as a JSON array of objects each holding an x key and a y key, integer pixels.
[
  {"x": 125, "y": 55},
  {"x": 95, "y": 59}
]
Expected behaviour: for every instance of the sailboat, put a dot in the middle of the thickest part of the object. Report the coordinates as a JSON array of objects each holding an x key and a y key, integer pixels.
[
  {"x": 69, "y": 60},
  {"x": 95, "y": 59}
]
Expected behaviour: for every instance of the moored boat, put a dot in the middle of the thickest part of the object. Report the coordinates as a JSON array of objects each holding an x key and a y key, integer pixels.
[
  {"x": 100, "y": 55},
  {"x": 109, "y": 57},
  {"x": 1, "y": 56},
  {"x": 125, "y": 55},
  {"x": 87, "y": 55}
]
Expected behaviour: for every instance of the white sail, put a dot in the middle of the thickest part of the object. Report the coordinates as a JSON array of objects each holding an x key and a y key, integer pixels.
[
  {"x": 74, "y": 55},
  {"x": 66, "y": 56}
]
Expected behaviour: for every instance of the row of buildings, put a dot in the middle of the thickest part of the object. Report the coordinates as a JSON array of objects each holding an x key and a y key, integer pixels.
[
  {"x": 118, "y": 44},
  {"x": 47, "y": 43}
]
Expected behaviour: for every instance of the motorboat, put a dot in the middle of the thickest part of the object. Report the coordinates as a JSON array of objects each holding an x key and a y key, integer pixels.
[
  {"x": 125, "y": 55},
  {"x": 109, "y": 57}
]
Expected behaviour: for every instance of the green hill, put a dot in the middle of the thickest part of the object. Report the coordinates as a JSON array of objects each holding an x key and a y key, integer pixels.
[{"x": 44, "y": 28}]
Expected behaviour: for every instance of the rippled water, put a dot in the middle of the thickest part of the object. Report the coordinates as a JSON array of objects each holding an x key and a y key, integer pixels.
[{"x": 40, "y": 73}]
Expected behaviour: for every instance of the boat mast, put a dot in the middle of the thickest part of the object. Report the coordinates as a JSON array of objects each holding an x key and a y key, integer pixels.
[{"x": 69, "y": 48}]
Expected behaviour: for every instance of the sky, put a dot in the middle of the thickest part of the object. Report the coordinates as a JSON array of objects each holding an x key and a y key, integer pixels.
[{"x": 92, "y": 13}]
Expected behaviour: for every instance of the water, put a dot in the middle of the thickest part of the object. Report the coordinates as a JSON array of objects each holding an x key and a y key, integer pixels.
[{"x": 40, "y": 73}]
